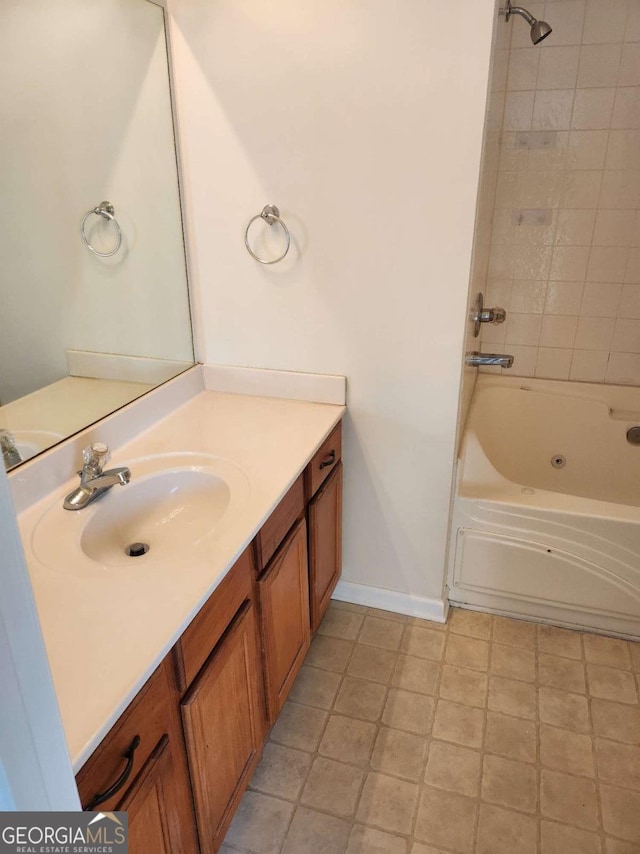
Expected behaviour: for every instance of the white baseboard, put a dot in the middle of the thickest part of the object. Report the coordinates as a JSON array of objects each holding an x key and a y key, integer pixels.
[
  {"x": 391, "y": 600},
  {"x": 314, "y": 388},
  {"x": 110, "y": 366}
]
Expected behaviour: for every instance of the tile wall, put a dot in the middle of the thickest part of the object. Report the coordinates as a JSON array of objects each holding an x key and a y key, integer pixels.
[{"x": 564, "y": 254}]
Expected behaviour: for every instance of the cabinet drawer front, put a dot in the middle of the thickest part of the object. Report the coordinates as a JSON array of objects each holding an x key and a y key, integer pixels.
[
  {"x": 325, "y": 544},
  {"x": 223, "y": 728},
  {"x": 149, "y": 717},
  {"x": 284, "y": 617},
  {"x": 204, "y": 632},
  {"x": 324, "y": 461},
  {"x": 278, "y": 525}
]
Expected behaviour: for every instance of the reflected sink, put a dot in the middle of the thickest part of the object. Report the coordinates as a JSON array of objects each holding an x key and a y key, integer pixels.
[
  {"x": 32, "y": 442},
  {"x": 173, "y": 504}
]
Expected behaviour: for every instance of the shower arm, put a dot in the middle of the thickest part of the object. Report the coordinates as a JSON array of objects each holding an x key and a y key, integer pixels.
[{"x": 518, "y": 10}]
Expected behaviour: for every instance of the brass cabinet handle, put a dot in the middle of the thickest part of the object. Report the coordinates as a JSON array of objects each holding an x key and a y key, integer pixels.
[
  {"x": 101, "y": 797},
  {"x": 329, "y": 460}
]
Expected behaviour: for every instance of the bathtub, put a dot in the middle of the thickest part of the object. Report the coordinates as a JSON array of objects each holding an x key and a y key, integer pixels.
[{"x": 546, "y": 517}]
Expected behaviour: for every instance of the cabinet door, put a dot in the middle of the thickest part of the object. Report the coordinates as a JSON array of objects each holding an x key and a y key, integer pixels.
[
  {"x": 325, "y": 544},
  {"x": 284, "y": 617},
  {"x": 156, "y": 824},
  {"x": 223, "y": 728}
]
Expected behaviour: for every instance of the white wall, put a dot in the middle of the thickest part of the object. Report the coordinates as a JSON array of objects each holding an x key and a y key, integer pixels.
[
  {"x": 363, "y": 121},
  {"x": 86, "y": 117}
]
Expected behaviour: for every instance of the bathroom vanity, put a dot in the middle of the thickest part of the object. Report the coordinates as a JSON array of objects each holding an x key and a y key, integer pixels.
[{"x": 168, "y": 692}]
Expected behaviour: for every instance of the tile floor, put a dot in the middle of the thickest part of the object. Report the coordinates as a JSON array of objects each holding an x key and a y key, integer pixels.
[{"x": 488, "y": 735}]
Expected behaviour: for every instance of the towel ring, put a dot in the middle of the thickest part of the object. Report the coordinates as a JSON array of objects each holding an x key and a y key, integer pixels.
[
  {"x": 106, "y": 210},
  {"x": 271, "y": 215}
]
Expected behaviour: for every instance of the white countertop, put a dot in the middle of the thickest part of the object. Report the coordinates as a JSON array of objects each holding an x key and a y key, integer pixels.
[{"x": 106, "y": 630}]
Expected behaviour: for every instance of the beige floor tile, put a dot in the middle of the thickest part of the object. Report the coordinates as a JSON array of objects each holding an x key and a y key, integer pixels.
[
  {"x": 608, "y": 683},
  {"x": 514, "y": 738},
  {"x": 460, "y": 724},
  {"x": 388, "y": 803},
  {"x": 562, "y": 839},
  {"x": 454, "y": 768},
  {"x": 299, "y": 726},
  {"x": 556, "y": 641},
  {"x": 618, "y": 764},
  {"x": 314, "y": 687},
  {"x": 366, "y": 840},
  {"x": 509, "y": 784},
  {"x": 386, "y": 634},
  {"x": 634, "y": 650},
  {"x": 360, "y": 699},
  {"x": 399, "y": 753},
  {"x": 621, "y": 813},
  {"x": 464, "y": 686},
  {"x": 347, "y": 606},
  {"x": 461, "y": 651},
  {"x": 329, "y": 653},
  {"x": 388, "y": 615},
  {"x": 419, "y": 848},
  {"x": 562, "y": 750},
  {"x": 446, "y": 819},
  {"x": 348, "y": 740},
  {"x": 260, "y": 824},
  {"x": 501, "y": 831},
  {"x": 474, "y": 624},
  {"x": 616, "y": 720},
  {"x": 281, "y": 771},
  {"x": 512, "y": 697},
  {"x": 423, "y": 642},
  {"x": 512, "y": 662},
  {"x": 568, "y": 711},
  {"x": 571, "y": 800},
  {"x": 609, "y": 651},
  {"x": 616, "y": 846},
  {"x": 561, "y": 673},
  {"x": 514, "y": 632},
  {"x": 332, "y": 787},
  {"x": 340, "y": 623},
  {"x": 313, "y": 831},
  {"x": 408, "y": 711},
  {"x": 369, "y": 662},
  {"x": 415, "y": 674}
]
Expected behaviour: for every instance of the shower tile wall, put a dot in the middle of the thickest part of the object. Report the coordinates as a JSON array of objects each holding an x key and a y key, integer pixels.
[{"x": 565, "y": 242}]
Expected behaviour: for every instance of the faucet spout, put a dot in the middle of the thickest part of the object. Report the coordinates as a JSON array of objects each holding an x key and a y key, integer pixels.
[
  {"x": 501, "y": 360},
  {"x": 94, "y": 482}
]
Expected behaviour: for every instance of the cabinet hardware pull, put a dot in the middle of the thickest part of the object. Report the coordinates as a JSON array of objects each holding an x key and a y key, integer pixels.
[
  {"x": 329, "y": 460},
  {"x": 122, "y": 779}
]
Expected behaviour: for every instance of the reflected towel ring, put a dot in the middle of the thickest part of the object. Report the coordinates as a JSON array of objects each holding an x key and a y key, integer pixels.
[
  {"x": 106, "y": 210},
  {"x": 270, "y": 214}
]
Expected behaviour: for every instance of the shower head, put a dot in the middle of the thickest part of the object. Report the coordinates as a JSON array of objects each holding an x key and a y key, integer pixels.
[{"x": 539, "y": 29}]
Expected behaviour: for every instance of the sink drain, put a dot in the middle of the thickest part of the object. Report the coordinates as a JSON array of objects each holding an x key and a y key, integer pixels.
[{"x": 137, "y": 549}]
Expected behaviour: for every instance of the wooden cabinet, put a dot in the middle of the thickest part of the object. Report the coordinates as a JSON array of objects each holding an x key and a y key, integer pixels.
[
  {"x": 325, "y": 544},
  {"x": 223, "y": 727},
  {"x": 284, "y": 617},
  {"x": 141, "y": 767}
]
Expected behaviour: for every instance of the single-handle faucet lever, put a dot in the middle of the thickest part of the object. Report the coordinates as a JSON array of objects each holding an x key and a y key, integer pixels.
[{"x": 94, "y": 481}]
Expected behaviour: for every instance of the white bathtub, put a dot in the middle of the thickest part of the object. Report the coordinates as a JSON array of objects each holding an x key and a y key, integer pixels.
[{"x": 528, "y": 539}]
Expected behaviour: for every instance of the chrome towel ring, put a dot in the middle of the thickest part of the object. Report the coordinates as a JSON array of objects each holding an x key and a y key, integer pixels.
[
  {"x": 271, "y": 215},
  {"x": 106, "y": 210}
]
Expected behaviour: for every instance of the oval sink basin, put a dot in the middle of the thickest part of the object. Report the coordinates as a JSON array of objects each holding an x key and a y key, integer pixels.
[
  {"x": 172, "y": 504},
  {"x": 167, "y": 512}
]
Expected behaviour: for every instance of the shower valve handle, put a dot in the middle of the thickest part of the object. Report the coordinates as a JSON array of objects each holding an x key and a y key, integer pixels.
[{"x": 493, "y": 315}]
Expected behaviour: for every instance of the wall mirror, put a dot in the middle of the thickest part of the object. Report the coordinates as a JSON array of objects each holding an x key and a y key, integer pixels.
[{"x": 94, "y": 306}]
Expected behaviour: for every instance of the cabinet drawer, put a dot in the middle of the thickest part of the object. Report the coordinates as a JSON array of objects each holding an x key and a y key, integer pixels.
[
  {"x": 206, "y": 629},
  {"x": 278, "y": 525},
  {"x": 324, "y": 461},
  {"x": 149, "y": 717}
]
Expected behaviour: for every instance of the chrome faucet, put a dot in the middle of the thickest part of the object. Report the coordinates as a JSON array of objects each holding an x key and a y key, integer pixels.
[
  {"x": 94, "y": 481},
  {"x": 501, "y": 360},
  {"x": 10, "y": 453}
]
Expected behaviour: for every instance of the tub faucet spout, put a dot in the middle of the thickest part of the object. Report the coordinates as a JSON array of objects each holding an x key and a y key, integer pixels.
[{"x": 500, "y": 360}]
